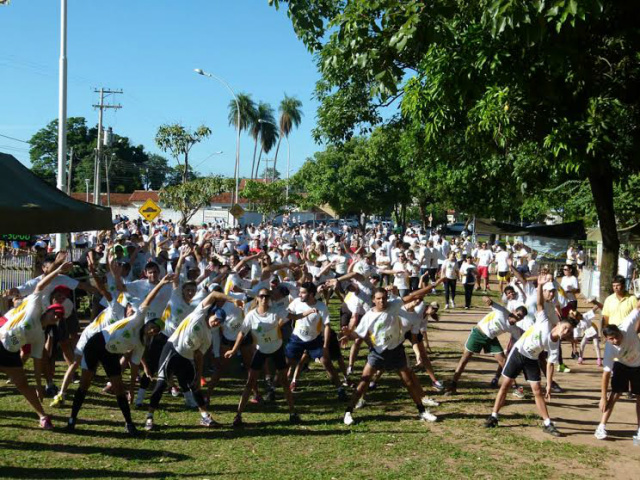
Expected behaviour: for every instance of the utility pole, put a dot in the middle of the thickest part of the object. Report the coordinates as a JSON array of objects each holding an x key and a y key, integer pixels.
[
  {"x": 62, "y": 112},
  {"x": 70, "y": 171},
  {"x": 101, "y": 106}
]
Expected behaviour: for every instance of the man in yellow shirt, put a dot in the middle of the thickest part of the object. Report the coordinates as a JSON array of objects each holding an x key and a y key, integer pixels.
[{"x": 619, "y": 304}]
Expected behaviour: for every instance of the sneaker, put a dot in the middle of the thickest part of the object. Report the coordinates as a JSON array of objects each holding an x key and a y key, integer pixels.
[
  {"x": 466, "y": 308},
  {"x": 348, "y": 419},
  {"x": 292, "y": 387},
  {"x": 453, "y": 304},
  {"x": 518, "y": 392},
  {"x": 51, "y": 391},
  {"x": 446, "y": 306},
  {"x": 294, "y": 419},
  {"x": 108, "y": 389},
  {"x": 372, "y": 385},
  {"x": 452, "y": 390},
  {"x": 58, "y": 401},
  {"x": 256, "y": 400},
  {"x": 208, "y": 421},
  {"x": 71, "y": 425},
  {"x": 361, "y": 403},
  {"x": 427, "y": 417},
  {"x": 131, "y": 429},
  {"x": 562, "y": 368},
  {"x": 599, "y": 362},
  {"x": 551, "y": 430},
  {"x": 346, "y": 382},
  {"x": 491, "y": 422},
  {"x": 342, "y": 395},
  {"x": 429, "y": 402},
  {"x": 76, "y": 378},
  {"x": 601, "y": 432},
  {"x": 237, "y": 421},
  {"x": 175, "y": 392},
  {"x": 494, "y": 382},
  {"x": 580, "y": 360},
  {"x": 203, "y": 382},
  {"x": 270, "y": 397},
  {"x": 555, "y": 388},
  {"x": 438, "y": 386},
  {"x": 148, "y": 424},
  {"x": 45, "y": 423}
]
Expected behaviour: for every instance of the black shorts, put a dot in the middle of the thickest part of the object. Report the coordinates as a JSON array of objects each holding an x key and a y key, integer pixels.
[
  {"x": 622, "y": 376},
  {"x": 247, "y": 341},
  {"x": 345, "y": 315},
  {"x": 95, "y": 351},
  {"x": 172, "y": 363},
  {"x": 297, "y": 347},
  {"x": 407, "y": 336},
  {"x": 9, "y": 359},
  {"x": 516, "y": 363},
  {"x": 334, "y": 346},
  {"x": 394, "y": 359},
  {"x": 257, "y": 363}
]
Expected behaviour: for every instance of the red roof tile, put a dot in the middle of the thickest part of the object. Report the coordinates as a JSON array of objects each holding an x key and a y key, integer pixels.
[{"x": 121, "y": 199}]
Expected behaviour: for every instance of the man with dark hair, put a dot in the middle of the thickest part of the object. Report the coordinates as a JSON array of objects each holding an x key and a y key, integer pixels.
[
  {"x": 312, "y": 334},
  {"x": 619, "y": 304},
  {"x": 622, "y": 366},
  {"x": 541, "y": 337}
]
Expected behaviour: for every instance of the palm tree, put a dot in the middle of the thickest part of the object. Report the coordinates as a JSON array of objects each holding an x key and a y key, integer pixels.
[
  {"x": 247, "y": 113},
  {"x": 268, "y": 132},
  {"x": 263, "y": 112},
  {"x": 290, "y": 116}
]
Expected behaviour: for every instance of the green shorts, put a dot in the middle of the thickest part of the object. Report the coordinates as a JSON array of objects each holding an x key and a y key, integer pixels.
[{"x": 478, "y": 341}]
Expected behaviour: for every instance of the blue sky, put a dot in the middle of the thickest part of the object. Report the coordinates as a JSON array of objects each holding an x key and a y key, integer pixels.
[{"x": 149, "y": 49}]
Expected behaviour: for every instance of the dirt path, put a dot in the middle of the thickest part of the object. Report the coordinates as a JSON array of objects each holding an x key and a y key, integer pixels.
[{"x": 575, "y": 411}]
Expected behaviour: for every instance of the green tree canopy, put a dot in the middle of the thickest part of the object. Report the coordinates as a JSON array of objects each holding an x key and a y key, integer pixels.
[{"x": 188, "y": 197}]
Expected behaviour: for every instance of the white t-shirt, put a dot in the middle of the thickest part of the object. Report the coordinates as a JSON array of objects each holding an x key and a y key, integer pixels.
[
  {"x": 110, "y": 315},
  {"x": 359, "y": 302},
  {"x": 383, "y": 328},
  {"x": 193, "y": 333},
  {"x": 450, "y": 269},
  {"x": 138, "y": 291},
  {"x": 401, "y": 275},
  {"x": 569, "y": 282},
  {"x": 265, "y": 330},
  {"x": 537, "y": 339},
  {"x": 175, "y": 311},
  {"x": 124, "y": 336},
  {"x": 485, "y": 257},
  {"x": 501, "y": 260},
  {"x": 412, "y": 321},
  {"x": 23, "y": 326},
  {"x": 628, "y": 352},
  {"x": 496, "y": 322},
  {"x": 468, "y": 272},
  {"x": 309, "y": 327},
  {"x": 233, "y": 322}
]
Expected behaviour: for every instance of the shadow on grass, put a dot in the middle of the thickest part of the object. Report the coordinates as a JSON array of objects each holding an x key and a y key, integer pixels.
[
  {"x": 120, "y": 452},
  {"x": 32, "y": 472}
]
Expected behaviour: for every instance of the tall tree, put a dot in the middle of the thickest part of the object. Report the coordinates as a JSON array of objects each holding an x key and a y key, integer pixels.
[
  {"x": 268, "y": 132},
  {"x": 189, "y": 197},
  {"x": 290, "y": 116},
  {"x": 549, "y": 86},
  {"x": 262, "y": 113},
  {"x": 155, "y": 172},
  {"x": 178, "y": 141}
]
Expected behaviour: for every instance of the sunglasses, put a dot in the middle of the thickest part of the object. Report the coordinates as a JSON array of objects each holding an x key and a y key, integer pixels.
[{"x": 264, "y": 296}]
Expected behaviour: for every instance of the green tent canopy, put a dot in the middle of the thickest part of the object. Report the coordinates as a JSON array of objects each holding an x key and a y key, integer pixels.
[{"x": 29, "y": 205}]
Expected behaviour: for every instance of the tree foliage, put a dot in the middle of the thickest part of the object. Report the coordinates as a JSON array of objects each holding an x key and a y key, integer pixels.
[
  {"x": 269, "y": 198},
  {"x": 188, "y": 197},
  {"x": 178, "y": 141}
]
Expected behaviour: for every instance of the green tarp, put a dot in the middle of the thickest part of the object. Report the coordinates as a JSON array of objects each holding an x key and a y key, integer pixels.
[
  {"x": 629, "y": 235},
  {"x": 568, "y": 231},
  {"x": 30, "y": 205}
]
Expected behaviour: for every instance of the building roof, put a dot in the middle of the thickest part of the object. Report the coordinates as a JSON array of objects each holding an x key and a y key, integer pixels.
[{"x": 120, "y": 199}]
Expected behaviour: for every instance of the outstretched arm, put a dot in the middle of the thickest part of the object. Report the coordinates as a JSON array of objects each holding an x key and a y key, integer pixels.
[
  {"x": 64, "y": 268},
  {"x": 153, "y": 293},
  {"x": 422, "y": 292}
]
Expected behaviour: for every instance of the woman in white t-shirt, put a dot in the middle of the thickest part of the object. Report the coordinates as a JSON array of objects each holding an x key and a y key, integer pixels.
[
  {"x": 450, "y": 272},
  {"x": 571, "y": 287},
  {"x": 468, "y": 277},
  {"x": 401, "y": 274},
  {"x": 414, "y": 269}
]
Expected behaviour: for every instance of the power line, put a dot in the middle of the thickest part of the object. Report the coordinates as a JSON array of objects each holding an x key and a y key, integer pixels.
[{"x": 13, "y": 138}]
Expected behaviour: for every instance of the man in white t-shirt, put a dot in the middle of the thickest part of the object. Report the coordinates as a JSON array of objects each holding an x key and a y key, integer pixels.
[
  {"x": 621, "y": 366},
  {"x": 484, "y": 259},
  {"x": 503, "y": 259},
  {"x": 541, "y": 337}
]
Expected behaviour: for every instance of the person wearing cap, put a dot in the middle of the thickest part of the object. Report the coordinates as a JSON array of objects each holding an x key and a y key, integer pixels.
[
  {"x": 24, "y": 325},
  {"x": 107, "y": 346},
  {"x": 183, "y": 355},
  {"x": 484, "y": 337},
  {"x": 114, "y": 312},
  {"x": 543, "y": 336}
]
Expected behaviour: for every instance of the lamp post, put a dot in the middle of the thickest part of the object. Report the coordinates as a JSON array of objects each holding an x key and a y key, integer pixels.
[
  {"x": 286, "y": 137},
  {"x": 62, "y": 113},
  {"x": 237, "y": 167}
]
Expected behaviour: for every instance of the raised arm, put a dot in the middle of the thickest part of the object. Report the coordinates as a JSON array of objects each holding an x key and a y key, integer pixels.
[
  {"x": 422, "y": 292},
  {"x": 153, "y": 293},
  {"x": 64, "y": 268},
  {"x": 215, "y": 296}
]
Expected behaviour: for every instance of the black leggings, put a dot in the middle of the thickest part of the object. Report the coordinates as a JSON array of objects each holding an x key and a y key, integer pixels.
[
  {"x": 468, "y": 293},
  {"x": 172, "y": 363},
  {"x": 450, "y": 290},
  {"x": 152, "y": 358}
]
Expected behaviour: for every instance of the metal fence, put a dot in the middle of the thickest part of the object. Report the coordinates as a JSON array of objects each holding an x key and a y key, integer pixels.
[{"x": 16, "y": 269}]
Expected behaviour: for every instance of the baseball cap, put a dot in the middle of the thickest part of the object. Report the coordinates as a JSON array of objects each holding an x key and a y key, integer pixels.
[
  {"x": 548, "y": 286},
  {"x": 57, "y": 308},
  {"x": 63, "y": 289}
]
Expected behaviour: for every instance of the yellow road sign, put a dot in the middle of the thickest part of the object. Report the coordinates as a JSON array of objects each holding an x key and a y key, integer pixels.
[
  {"x": 237, "y": 211},
  {"x": 149, "y": 210}
]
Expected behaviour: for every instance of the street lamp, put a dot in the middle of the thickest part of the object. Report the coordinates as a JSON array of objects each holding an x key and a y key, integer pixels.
[
  {"x": 220, "y": 152},
  {"x": 237, "y": 167},
  {"x": 286, "y": 137}
]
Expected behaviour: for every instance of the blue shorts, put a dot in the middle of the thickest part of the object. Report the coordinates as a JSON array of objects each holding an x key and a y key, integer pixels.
[{"x": 296, "y": 347}]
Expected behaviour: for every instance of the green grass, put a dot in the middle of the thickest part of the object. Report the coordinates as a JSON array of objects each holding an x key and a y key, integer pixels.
[{"x": 387, "y": 442}]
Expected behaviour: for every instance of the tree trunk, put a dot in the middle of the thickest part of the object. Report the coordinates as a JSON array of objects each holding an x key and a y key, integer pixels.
[
  {"x": 275, "y": 159},
  {"x": 186, "y": 168},
  {"x": 253, "y": 162},
  {"x": 601, "y": 181},
  {"x": 258, "y": 164}
]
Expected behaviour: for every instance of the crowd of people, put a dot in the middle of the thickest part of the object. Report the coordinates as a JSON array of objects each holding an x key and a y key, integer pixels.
[{"x": 173, "y": 305}]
